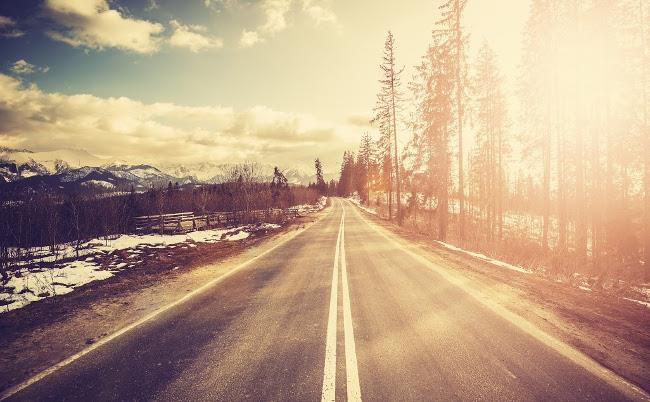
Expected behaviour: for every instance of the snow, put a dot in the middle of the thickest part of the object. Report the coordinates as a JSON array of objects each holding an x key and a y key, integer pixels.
[
  {"x": 98, "y": 183},
  {"x": 31, "y": 286},
  {"x": 238, "y": 236},
  {"x": 74, "y": 157},
  {"x": 309, "y": 208},
  {"x": 644, "y": 303},
  {"x": 485, "y": 258},
  {"x": 357, "y": 201},
  {"x": 27, "y": 286}
]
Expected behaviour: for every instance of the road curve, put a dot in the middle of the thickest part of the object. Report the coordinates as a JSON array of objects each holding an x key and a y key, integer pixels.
[{"x": 338, "y": 312}]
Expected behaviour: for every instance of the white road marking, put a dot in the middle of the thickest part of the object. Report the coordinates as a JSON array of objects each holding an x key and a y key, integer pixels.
[
  {"x": 19, "y": 387},
  {"x": 351, "y": 370},
  {"x": 577, "y": 357},
  {"x": 329, "y": 374}
]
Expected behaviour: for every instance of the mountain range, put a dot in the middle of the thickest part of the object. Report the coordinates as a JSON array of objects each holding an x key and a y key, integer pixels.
[{"x": 74, "y": 169}]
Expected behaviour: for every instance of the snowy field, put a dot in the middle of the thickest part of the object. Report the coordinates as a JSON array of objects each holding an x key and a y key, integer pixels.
[
  {"x": 29, "y": 285},
  {"x": 48, "y": 274}
]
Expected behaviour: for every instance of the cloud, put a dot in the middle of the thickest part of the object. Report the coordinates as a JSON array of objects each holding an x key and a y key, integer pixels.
[
  {"x": 319, "y": 13},
  {"x": 8, "y": 28},
  {"x": 249, "y": 38},
  {"x": 275, "y": 18},
  {"x": 134, "y": 131},
  {"x": 153, "y": 5},
  {"x": 359, "y": 120},
  {"x": 23, "y": 67},
  {"x": 92, "y": 24},
  {"x": 192, "y": 37},
  {"x": 219, "y": 5}
]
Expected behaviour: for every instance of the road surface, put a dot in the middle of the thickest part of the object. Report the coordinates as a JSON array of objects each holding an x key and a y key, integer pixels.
[{"x": 341, "y": 311}]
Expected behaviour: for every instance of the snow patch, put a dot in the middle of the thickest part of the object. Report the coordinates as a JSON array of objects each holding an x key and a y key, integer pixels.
[
  {"x": 485, "y": 258},
  {"x": 356, "y": 200},
  {"x": 644, "y": 303},
  {"x": 31, "y": 286}
]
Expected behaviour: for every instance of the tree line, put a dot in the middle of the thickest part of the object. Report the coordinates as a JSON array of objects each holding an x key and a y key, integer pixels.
[{"x": 555, "y": 171}]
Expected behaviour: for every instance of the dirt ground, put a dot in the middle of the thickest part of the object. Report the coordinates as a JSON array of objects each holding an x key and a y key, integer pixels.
[
  {"x": 44, "y": 333},
  {"x": 611, "y": 330}
]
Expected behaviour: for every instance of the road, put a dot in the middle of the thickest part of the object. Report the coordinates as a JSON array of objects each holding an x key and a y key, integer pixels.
[{"x": 340, "y": 311}]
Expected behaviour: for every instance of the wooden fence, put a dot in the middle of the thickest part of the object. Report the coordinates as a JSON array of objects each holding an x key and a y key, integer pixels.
[{"x": 184, "y": 222}]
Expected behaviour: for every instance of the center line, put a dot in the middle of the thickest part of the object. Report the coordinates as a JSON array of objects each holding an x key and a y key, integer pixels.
[
  {"x": 354, "y": 391},
  {"x": 329, "y": 376}
]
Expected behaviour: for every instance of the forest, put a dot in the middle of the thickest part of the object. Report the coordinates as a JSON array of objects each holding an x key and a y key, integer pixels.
[{"x": 552, "y": 174}]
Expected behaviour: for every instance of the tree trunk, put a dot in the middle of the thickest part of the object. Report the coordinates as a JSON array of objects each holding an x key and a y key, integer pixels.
[
  {"x": 459, "y": 107},
  {"x": 646, "y": 127},
  {"x": 397, "y": 181}
]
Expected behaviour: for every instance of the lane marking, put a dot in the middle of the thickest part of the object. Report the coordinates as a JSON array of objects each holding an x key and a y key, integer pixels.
[
  {"x": 329, "y": 373},
  {"x": 351, "y": 370},
  {"x": 48, "y": 371},
  {"x": 577, "y": 357}
]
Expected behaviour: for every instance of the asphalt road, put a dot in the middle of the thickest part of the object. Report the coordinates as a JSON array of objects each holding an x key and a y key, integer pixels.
[{"x": 339, "y": 311}]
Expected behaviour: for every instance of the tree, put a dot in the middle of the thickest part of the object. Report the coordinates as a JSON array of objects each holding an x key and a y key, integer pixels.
[
  {"x": 321, "y": 186},
  {"x": 364, "y": 166},
  {"x": 433, "y": 91},
  {"x": 491, "y": 144},
  {"x": 450, "y": 25},
  {"x": 389, "y": 98},
  {"x": 279, "y": 185},
  {"x": 347, "y": 174},
  {"x": 644, "y": 12},
  {"x": 536, "y": 95},
  {"x": 384, "y": 145}
]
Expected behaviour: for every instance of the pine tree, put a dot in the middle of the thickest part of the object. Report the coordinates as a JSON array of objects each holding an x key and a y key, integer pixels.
[
  {"x": 491, "y": 143},
  {"x": 644, "y": 16},
  {"x": 450, "y": 26},
  {"x": 364, "y": 166},
  {"x": 321, "y": 186},
  {"x": 433, "y": 94},
  {"x": 536, "y": 95},
  {"x": 388, "y": 105}
]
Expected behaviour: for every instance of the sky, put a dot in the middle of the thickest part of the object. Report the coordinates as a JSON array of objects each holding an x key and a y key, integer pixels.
[{"x": 276, "y": 81}]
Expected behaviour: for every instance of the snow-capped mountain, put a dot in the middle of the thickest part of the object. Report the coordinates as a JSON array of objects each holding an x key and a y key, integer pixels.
[
  {"x": 213, "y": 172},
  {"x": 70, "y": 169},
  {"x": 16, "y": 164}
]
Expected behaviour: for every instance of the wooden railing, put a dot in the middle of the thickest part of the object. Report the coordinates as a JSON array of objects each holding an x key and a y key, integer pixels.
[{"x": 183, "y": 222}]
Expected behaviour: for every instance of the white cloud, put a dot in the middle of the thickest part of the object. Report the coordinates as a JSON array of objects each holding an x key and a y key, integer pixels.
[
  {"x": 275, "y": 14},
  {"x": 249, "y": 38},
  {"x": 192, "y": 37},
  {"x": 153, "y": 132},
  {"x": 23, "y": 67},
  {"x": 8, "y": 28},
  {"x": 92, "y": 24},
  {"x": 319, "y": 13},
  {"x": 275, "y": 18}
]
